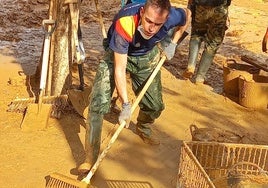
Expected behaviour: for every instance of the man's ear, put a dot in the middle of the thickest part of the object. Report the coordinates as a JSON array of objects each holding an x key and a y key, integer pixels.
[{"x": 142, "y": 11}]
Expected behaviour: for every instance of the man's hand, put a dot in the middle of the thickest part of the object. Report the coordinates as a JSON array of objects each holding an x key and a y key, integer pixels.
[
  {"x": 170, "y": 50},
  {"x": 264, "y": 41},
  {"x": 125, "y": 114}
]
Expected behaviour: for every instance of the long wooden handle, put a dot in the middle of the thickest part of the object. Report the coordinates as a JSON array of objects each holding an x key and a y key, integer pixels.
[
  {"x": 122, "y": 125},
  {"x": 148, "y": 83},
  {"x": 74, "y": 12},
  {"x": 100, "y": 19},
  {"x": 48, "y": 27},
  {"x": 45, "y": 62},
  {"x": 51, "y": 53}
]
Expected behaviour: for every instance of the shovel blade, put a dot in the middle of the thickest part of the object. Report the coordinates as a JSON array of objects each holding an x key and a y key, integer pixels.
[
  {"x": 35, "y": 118},
  {"x": 80, "y": 100}
]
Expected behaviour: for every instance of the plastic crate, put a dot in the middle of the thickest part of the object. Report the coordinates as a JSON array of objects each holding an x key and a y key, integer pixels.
[{"x": 208, "y": 164}]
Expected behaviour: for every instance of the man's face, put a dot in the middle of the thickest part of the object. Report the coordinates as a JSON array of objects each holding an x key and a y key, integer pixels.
[{"x": 152, "y": 19}]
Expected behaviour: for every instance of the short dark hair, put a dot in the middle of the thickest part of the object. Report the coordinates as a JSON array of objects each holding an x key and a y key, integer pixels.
[{"x": 162, "y": 4}]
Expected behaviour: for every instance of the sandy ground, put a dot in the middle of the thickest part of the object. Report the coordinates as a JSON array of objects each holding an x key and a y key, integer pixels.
[{"x": 27, "y": 158}]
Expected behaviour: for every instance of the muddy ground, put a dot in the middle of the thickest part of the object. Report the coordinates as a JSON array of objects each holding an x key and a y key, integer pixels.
[{"x": 27, "y": 158}]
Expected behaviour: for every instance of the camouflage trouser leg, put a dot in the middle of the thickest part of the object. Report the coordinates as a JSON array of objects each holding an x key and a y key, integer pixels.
[
  {"x": 100, "y": 101},
  {"x": 209, "y": 25},
  {"x": 103, "y": 85},
  {"x": 151, "y": 104}
]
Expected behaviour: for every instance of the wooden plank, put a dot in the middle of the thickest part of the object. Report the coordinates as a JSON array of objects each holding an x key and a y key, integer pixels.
[{"x": 254, "y": 62}]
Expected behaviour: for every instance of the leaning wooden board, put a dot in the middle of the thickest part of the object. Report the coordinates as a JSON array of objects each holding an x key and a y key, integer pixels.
[{"x": 255, "y": 62}]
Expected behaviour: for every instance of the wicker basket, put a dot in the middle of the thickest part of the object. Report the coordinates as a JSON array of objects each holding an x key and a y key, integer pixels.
[
  {"x": 244, "y": 174},
  {"x": 253, "y": 93},
  {"x": 231, "y": 71},
  {"x": 214, "y": 135},
  {"x": 203, "y": 163}
]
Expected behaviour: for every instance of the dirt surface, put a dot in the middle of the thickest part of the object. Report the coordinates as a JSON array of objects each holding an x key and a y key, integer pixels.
[{"x": 27, "y": 158}]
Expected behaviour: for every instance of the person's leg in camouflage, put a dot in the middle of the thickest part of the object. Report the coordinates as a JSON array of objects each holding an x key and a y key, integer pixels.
[
  {"x": 213, "y": 39},
  {"x": 92, "y": 141},
  {"x": 151, "y": 104},
  {"x": 143, "y": 127},
  {"x": 198, "y": 31},
  {"x": 99, "y": 105}
]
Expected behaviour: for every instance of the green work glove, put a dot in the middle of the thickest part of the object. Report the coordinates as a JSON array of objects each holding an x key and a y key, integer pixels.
[
  {"x": 169, "y": 50},
  {"x": 125, "y": 114}
]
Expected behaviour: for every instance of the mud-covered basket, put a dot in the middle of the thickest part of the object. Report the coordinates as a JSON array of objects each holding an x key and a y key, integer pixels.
[
  {"x": 214, "y": 164},
  {"x": 231, "y": 71},
  {"x": 244, "y": 174},
  {"x": 214, "y": 135},
  {"x": 253, "y": 93}
]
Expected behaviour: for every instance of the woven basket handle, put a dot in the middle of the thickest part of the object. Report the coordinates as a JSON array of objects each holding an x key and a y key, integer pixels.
[
  {"x": 193, "y": 128},
  {"x": 231, "y": 59},
  {"x": 225, "y": 63},
  {"x": 260, "y": 170}
]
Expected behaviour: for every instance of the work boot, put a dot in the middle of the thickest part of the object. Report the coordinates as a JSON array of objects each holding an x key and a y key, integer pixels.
[
  {"x": 86, "y": 166},
  {"x": 92, "y": 142},
  {"x": 188, "y": 73},
  {"x": 151, "y": 140},
  {"x": 143, "y": 129},
  {"x": 194, "y": 47},
  {"x": 205, "y": 62}
]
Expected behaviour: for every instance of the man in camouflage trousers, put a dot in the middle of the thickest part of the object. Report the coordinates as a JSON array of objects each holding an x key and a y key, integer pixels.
[
  {"x": 209, "y": 19},
  {"x": 132, "y": 46}
]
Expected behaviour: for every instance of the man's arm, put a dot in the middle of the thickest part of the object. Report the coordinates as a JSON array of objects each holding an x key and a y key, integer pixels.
[
  {"x": 177, "y": 34},
  {"x": 264, "y": 41},
  {"x": 170, "y": 47},
  {"x": 120, "y": 64}
]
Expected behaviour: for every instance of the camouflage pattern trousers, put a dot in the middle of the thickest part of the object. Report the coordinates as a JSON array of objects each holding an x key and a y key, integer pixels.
[
  {"x": 140, "y": 68},
  {"x": 209, "y": 25}
]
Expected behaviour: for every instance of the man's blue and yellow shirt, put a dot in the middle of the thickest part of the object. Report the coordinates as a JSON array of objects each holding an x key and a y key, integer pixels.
[{"x": 124, "y": 38}]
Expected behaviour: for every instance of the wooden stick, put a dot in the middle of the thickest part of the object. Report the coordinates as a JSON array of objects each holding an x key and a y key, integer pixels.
[{"x": 104, "y": 34}]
